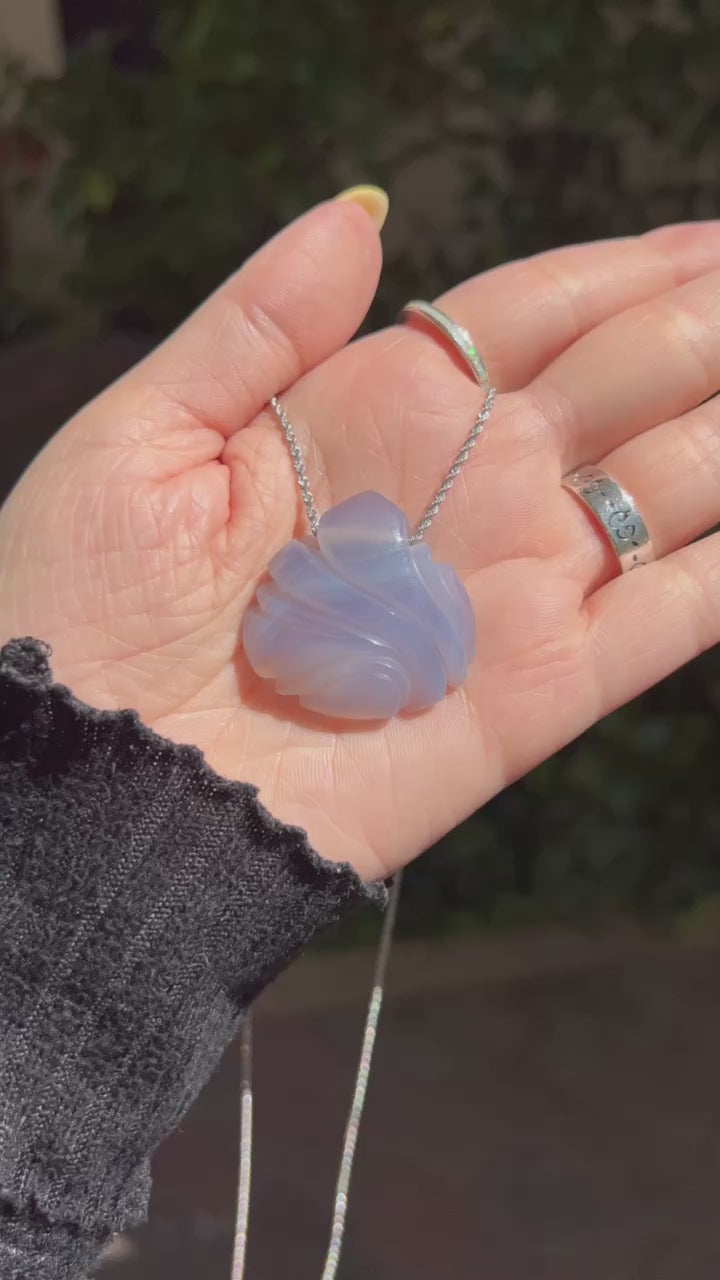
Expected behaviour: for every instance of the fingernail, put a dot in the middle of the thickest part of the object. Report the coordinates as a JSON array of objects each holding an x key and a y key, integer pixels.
[{"x": 373, "y": 200}]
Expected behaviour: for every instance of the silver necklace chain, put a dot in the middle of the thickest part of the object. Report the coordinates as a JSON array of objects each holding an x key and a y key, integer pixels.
[
  {"x": 458, "y": 463},
  {"x": 352, "y": 1130},
  {"x": 298, "y": 462}
]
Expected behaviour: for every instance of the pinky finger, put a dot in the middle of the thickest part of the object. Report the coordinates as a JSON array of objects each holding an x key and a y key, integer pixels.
[{"x": 645, "y": 624}]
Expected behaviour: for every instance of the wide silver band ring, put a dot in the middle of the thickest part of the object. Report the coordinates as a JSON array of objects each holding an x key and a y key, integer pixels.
[
  {"x": 459, "y": 337},
  {"x": 614, "y": 510}
]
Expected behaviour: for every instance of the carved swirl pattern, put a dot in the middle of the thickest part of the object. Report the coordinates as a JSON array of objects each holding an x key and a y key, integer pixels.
[{"x": 358, "y": 623}]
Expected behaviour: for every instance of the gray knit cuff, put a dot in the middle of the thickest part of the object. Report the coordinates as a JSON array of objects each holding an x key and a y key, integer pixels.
[{"x": 144, "y": 902}]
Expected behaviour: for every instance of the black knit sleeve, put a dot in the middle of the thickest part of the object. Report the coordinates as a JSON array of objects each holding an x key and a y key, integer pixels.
[{"x": 144, "y": 901}]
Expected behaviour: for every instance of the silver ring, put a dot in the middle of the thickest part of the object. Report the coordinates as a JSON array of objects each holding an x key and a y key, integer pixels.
[
  {"x": 615, "y": 512},
  {"x": 459, "y": 337}
]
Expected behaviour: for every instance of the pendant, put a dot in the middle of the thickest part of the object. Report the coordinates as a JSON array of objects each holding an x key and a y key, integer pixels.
[{"x": 358, "y": 622}]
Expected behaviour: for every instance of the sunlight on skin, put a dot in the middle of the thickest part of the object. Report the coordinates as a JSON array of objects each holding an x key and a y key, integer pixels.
[{"x": 135, "y": 541}]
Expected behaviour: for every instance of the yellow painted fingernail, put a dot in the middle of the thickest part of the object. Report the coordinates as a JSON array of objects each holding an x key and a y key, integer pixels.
[{"x": 373, "y": 200}]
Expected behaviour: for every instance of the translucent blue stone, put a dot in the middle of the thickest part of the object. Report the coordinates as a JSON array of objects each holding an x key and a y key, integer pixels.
[{"x": 358, "y": 623}]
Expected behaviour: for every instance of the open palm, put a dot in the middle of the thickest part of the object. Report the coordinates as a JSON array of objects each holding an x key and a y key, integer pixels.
[{"x": 136, "y": 540}]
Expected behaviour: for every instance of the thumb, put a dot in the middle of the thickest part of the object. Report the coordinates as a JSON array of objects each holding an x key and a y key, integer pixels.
[{"x": 295, "y": 302}]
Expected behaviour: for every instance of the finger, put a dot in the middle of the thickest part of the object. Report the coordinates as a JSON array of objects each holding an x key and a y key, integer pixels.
[
  {"x": 655, "y": 361},
  {"x": 398, "y": 407},
  {"x": 673, "y": 474},
  {"x": 524, "y": 314},
  {"x": 297, "y": 300},
  {"x": 644, "y": 625}
]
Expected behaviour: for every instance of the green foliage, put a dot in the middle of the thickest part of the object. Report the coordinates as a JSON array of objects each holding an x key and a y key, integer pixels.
[
  {"x": 565, "y": 121},
  {"x": 173, "y": 173}
]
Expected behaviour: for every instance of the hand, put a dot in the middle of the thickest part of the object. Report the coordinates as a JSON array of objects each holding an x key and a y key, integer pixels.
[{"x": 135, "y": 541}]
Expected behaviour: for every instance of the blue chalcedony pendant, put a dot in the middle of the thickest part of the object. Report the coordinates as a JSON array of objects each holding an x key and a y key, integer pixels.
[{"x": 357, "y": 622}]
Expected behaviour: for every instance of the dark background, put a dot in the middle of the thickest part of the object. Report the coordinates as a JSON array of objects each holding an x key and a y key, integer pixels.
[{"x": 180, "y": 136}]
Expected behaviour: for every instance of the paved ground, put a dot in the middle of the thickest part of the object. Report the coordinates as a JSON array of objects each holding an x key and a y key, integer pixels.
[{"x": 561, "y": 1125}]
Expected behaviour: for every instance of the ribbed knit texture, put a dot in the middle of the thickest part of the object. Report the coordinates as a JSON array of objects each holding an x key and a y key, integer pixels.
[{"x": 144, "y": 902}]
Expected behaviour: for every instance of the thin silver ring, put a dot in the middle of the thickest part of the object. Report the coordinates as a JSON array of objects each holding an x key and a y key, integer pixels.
[
  {"x": 459, "y": 337},
  {"x": 615, "y": 512}
]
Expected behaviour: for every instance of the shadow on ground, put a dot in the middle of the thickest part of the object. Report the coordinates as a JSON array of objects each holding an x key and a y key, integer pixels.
[{"x": 561, "y": 1126}]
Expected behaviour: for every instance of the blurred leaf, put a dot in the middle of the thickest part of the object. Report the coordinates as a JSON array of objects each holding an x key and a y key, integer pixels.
[
  {"x": 98, "y": 190},
  {"x": 702, "y": 919}
]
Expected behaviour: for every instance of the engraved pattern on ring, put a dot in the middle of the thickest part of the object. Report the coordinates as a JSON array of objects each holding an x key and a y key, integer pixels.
[{"x": 617, "y": 514}]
